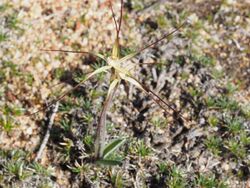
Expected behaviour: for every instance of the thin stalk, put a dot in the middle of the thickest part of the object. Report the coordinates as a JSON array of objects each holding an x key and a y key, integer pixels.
[
  {"x": 75, "y": 52},
  {"x": 101, "y": 127},
  {"x": 162, "y": 38},
  {"x": 113, "y": 15},
  {"x": 120, "y": 21},
  {"x": 158, "y": 100}
]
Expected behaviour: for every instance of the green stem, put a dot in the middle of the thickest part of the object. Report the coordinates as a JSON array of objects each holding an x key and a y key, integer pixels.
[{"x": 101, "y": 127}]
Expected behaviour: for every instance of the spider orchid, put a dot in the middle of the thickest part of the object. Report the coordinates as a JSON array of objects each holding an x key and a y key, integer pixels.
[{"x": 120, "y": 70}]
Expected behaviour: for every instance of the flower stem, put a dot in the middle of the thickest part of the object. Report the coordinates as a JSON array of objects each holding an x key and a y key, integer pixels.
[{"x": 101, "y": 127}]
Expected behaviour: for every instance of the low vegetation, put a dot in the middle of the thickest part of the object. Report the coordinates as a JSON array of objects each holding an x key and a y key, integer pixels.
[{"x": 190, "y": 126}]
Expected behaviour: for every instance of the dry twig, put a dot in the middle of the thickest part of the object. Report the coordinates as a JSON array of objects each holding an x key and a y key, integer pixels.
[{"x": 47, "y": 134}]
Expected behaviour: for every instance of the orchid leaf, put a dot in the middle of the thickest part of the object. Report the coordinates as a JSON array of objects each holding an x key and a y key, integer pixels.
[{"x": 112, "y": 146}]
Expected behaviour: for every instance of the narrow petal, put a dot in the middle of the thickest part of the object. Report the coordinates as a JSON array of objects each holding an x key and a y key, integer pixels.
[
  {"x": 102, "y": 69},
  {"x": 113, "y": 85}
]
